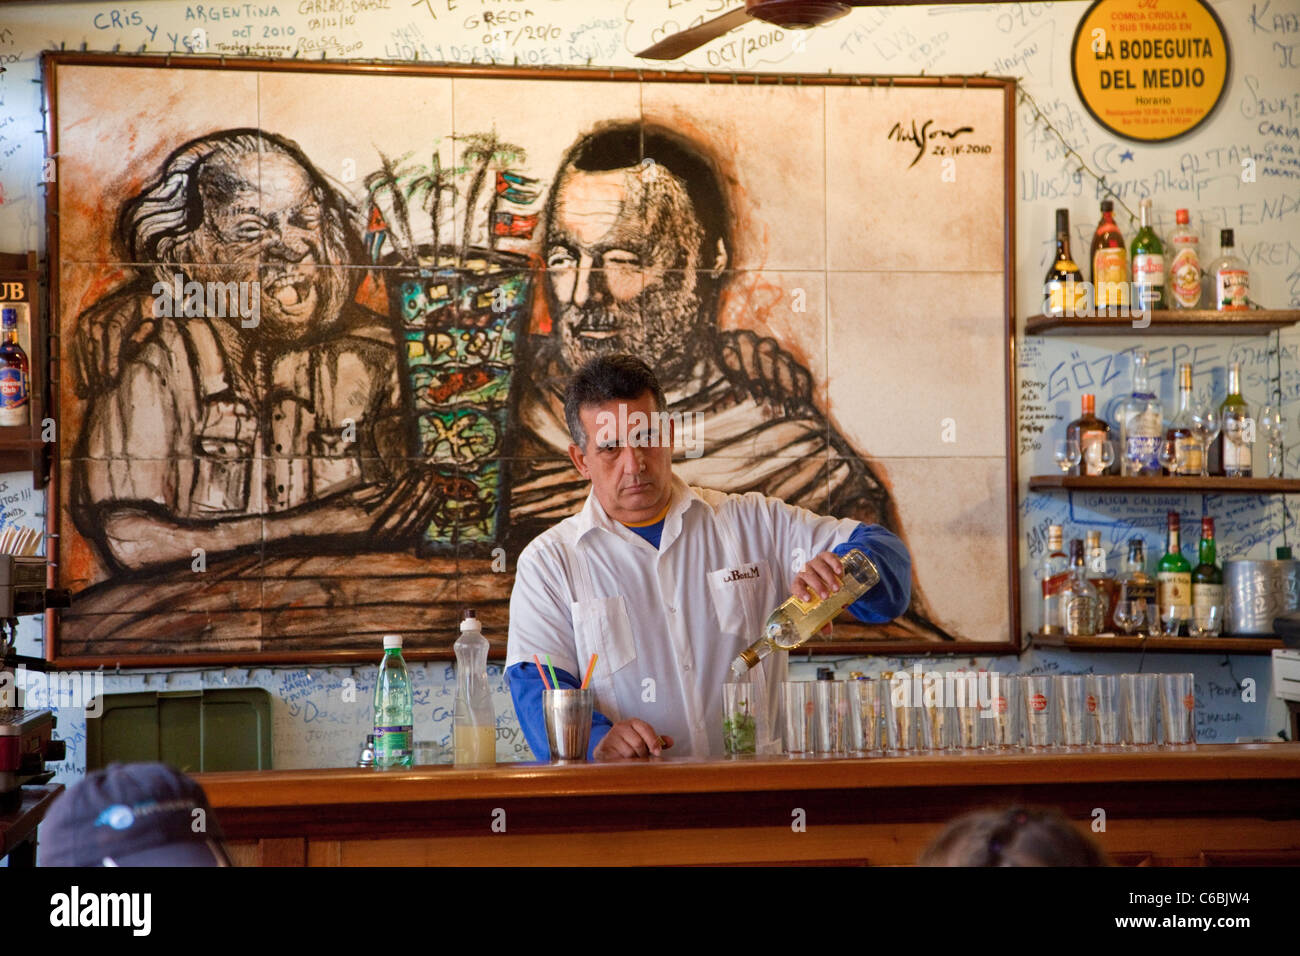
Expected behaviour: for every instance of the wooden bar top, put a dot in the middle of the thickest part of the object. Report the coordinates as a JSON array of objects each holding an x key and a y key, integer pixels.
[{"x": 669, "y": 775}]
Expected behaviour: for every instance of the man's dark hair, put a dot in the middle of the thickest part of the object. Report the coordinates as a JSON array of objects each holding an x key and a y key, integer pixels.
[
  {"x": 624, "y": 144},
  {"x": 608, "y": 378},
  {"x": 1016, "y": 836}
]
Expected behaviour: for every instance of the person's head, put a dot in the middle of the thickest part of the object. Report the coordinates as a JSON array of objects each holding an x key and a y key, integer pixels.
[
  {"x": 139, "y": 814},
  {"x": 622, "y": 436},
  {"x": 1017, "y": 836},
  {"x": 636, "y": 246},
  {"x": 243, "y": 205}
]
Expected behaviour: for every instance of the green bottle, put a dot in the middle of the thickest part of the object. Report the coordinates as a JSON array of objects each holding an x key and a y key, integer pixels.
[
  {"x": 1174, "y": 578},
  {"x": 1207, "y": 578},
  {"x": 1148, "y": 258}
]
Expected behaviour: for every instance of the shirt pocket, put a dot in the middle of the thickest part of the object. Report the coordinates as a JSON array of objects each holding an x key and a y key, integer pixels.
[
  {"x": 741, "y": 595},
  {"x": 601, "y": 626}
]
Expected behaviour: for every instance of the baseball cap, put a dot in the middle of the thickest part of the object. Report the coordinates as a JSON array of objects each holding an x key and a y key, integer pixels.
[{"x": 139, "y": 814}]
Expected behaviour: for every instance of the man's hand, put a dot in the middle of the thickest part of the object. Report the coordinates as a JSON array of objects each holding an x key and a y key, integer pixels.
[
  {"x": 101, "y": 349},
  {"x": 630, "y": 738},
  {"x": 820, "y": 577}
]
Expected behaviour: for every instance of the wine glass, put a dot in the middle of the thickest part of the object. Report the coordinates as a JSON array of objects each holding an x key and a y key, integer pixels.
[
  {"x": 1170, "y": 455},
  {"x": 1067, "y": 454},
  {"x": 1129, "y": 615},
  {"x": 1169, "y": 620},
  {"x": 1207, "y": 620},
  {"x": 1135, "y": 456},
  {"x": 1206, "y": 424},
  {"x": 1105, "y": 454},
  {"x": 1271, "y": 424},
  {"x": 1238, "y": 432}
]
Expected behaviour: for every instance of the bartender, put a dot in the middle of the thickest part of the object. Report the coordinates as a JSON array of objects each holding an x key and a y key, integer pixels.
[{"x": 666, "y": 583}]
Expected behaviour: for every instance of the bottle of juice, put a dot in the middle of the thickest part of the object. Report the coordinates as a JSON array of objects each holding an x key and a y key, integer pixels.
[
  {"x": 473, "y": 722},
  {"x": 393, "y": 717}
]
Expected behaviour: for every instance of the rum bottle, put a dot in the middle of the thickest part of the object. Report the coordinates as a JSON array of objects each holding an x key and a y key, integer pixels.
[{"x": 14, "y": 368}]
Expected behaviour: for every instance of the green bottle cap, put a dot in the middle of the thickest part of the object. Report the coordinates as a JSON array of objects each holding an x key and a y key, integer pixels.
[{"x": 1284, "y": 553}]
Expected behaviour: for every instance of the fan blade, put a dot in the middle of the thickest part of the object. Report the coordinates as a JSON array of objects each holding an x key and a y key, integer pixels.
[{"x": 679, "y": 44}]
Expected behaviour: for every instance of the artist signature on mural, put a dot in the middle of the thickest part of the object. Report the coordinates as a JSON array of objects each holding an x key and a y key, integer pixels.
[{"x": 924, "y": 134}]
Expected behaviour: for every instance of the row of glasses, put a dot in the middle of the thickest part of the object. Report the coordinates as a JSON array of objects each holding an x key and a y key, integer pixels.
[
  {"x": 968, "y": 712},
  {"x": 1206, "y": 620}
]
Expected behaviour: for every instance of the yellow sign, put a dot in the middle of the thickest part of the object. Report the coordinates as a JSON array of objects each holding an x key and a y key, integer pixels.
[{"x": 1150, "y": 70}]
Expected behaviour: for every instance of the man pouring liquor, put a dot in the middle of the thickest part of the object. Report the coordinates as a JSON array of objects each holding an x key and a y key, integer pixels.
[{"x": 667, "y": 583}]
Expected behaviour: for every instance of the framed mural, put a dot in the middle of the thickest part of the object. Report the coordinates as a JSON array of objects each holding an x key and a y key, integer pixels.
[{"x": 314, "y": 322}]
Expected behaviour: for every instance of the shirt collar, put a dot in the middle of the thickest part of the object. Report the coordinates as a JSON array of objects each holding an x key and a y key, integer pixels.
[{"x": 593, "y": 516}]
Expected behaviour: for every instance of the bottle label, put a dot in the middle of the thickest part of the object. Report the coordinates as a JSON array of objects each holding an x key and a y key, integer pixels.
[
  {"x": 1185, "y": 275},
  {"x": 392, "y": 744},
  {"x": 1055, "y": 584},
  {"x": 1231, "y": 288},
  {"x": 1207, "y": 595},
  {"x": 1142, "y": 441},
  {"x": 13, "y": 387},
  {"x": 1090, "y": 443},
  {"x": 1081, "y": 616},
  {"x": 1140, "y": 591},
  {"x": 1189, "y": 452},
  {"x": 1148, "y": 278},
  {"x": 1066, "y": 298},
  {"x": 1175, "y": 587},
  {"x": 1110, "y": 277}
]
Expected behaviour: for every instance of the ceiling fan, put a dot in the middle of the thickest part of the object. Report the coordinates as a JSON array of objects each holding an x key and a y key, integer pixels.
[{"x": 789, "y": 14}]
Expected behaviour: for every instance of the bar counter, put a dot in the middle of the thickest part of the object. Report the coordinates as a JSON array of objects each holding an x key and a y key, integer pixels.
[{"x": 1221, "y": 804}]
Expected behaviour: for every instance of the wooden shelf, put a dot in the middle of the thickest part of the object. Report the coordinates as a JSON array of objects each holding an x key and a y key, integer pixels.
[
  {"x": 1183, "y": 645},
  {"x": 1189, "y": 322},
  {"x": 1175, "y": 485}
]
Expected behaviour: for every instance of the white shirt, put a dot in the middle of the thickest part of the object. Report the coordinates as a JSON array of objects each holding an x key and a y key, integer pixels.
[{"x": 667, "y": 623}]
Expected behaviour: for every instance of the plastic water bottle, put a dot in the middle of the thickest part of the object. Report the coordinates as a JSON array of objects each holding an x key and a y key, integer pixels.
[
  {"x": 474, "y": 726},
  {"x": 393, "y": 718}
]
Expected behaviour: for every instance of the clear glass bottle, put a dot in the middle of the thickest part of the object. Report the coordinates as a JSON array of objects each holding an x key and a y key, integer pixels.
[
  {"x": 1109, "y": 258},
  {"x": 1232, "y": 459},
  {"x": 1135, "y": 583},
  {"x": 796, "y": 620},
  {"x": 1141, "y": 424},
  {"x": 473, "y": 722},
  {"x": 1080, "y": 603},
  {"x": 1227, "y": 277},
  {"x": 393, "y": 715},
  {"x": 1185, "y": 264},
  {"x": 1148, "y": 258},
  {"x": 1055, "y": 575},
  {"x": 15, "y": 407},
  {"x": 1181, "y": 432},
  {"x": 1101, "y": 578}
]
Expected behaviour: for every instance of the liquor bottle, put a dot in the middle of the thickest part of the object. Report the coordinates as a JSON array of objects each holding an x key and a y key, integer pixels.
[
  {"x": 1148, "y": 257},
  {"x": 796, "y": 620},
  {"x": 1089, "y": 431},
  {"x": 1064, "y": 289},
  {"x": 1080, "y": 603},
  {"x": 473, "y": 721},
  {"x": 1135, "y": 583},
  {"x": 1185, "y": 266},
  {"x": 1174, "y": 577},
  {"x": 1180, "y": 428},
  {"x": 14, "y": 406},
  {"x": 1229, "y": 458},
  {"x": 1109, "y": 259},
  {"x": 1227, "y": 278},
  {"x": 1055, "y": 575},
  {"x": 393, "y": 717},
  {"x": 1207, "y": 577},
  {"x": 1099, "y": 577},
  {"x": 1141, "y": 424}
]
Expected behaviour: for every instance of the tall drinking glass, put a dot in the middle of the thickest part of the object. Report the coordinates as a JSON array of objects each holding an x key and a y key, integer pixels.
[
  {"x": 740, "y": 713},
  {"x": 830, "y": 710},
  {"x": 968, "y": 729},
  {"x": 797, "y": 711},
  {"x": 900, "y": 715},
  {"x": 1008, "y": 707},
  {"x": 1071, "y": 696},
  {"x": 1039, "y": 712},
  {"x": 1178, "y": 708},
  {"x": 1103, "y": 708},
  {"x": 936, "y": 714},
  {"x": 864, "y": 716},
  {"x": 1138, "y": 692}
]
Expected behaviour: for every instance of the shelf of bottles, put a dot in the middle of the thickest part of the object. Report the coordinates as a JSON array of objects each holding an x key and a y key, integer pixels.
[
  {"x": 1254, "y": 644},
  {"x": 1164, "y": 322},
  {"x": 1176, "y": 484}
]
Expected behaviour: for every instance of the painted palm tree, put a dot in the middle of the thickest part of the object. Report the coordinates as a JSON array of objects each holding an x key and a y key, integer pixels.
[
  {"x": 430, "y": 183},
  {"x": 390, "y": 178},
  {"x": 482, "y": 152}
]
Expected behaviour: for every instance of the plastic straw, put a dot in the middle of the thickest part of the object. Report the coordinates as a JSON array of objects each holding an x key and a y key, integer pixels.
[
  {"x": 552, "y": 670},
  {"x": 590, "y": 667},
  {"x": 545, "y": 682}
]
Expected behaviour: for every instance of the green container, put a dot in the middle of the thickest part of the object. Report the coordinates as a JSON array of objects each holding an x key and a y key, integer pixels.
[{"x": 193, "y": 730}]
